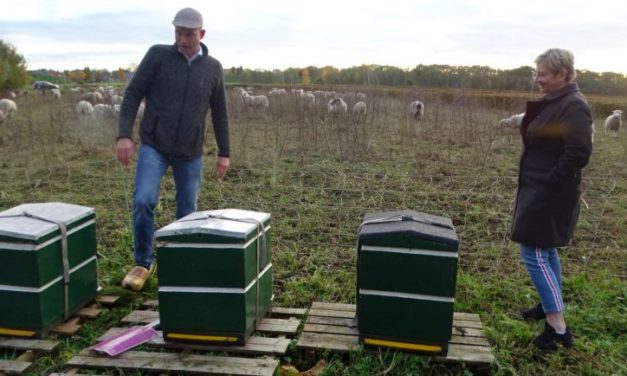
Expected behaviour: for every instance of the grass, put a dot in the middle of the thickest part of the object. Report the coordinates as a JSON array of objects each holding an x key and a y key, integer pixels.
[{"x": 318, "y": 178}]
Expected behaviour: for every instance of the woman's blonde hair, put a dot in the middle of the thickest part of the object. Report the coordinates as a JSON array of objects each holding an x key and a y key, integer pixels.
[{"x": 557, "y": 59}]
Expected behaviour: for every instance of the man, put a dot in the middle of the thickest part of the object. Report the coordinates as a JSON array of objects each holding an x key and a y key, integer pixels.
[{"x": 179, "y": 83}]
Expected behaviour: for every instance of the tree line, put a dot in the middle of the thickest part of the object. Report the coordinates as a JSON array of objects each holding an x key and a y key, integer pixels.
[
  {"x": 13, "y": 74},
  {"x": 436, "y": 76}
]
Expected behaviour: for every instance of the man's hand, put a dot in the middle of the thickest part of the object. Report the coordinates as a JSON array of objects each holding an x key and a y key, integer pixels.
[
  {"x": 222, "y": 165},
  {"x": 126, "y": 149}
]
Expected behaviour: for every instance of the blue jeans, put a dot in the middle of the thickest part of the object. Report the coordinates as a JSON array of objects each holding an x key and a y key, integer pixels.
[
  {"x": 543, "y": 265},
  {"x": 151, "y": 166}
]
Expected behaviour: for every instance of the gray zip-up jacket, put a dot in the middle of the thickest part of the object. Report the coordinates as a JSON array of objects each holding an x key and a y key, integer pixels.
[{"x": 178, "y": 95}]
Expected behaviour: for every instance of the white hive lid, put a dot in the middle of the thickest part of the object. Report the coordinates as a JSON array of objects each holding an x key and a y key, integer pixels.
[
  {"x": 232, "y": 223},
  {"x": 22, "y": 227}
]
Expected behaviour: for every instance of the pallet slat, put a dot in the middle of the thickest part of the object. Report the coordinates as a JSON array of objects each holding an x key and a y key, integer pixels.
[
  {"x": 14, "y": 367},
  {"x": 254, "y": 346},
  {"x": 42, "y": 345},
  {"x": 266, "y": 325},
  {"x": 178, "y": 362}
]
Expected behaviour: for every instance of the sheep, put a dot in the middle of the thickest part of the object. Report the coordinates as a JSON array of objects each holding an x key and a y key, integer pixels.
[
  {"x": 254, "y": 100},
  {"x": 359, "y": 110},
  {"x": 83, "y": 108},
  {"x": 613, "y": 123},
  {"x": 56, "y": 93},
  {"x": 513, "y": 121},
  {"x": 308, "y": 99},
  {"x": 8, "y": 107},
  {"x": 417, "y": 109},
  {"x": 2, "y": 117},
  {"x": 337, "y": 106},
  {"x": 93, "y": 97},
  {"x": 277, "y": 92},
  {"x": 103, "y": 111},
  {"x": 116, "y": 99},
  {"x": 361, "y": 96}
]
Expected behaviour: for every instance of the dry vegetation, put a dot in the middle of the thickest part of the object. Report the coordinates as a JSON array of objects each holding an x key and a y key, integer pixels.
[{"x": 318, "y": 176}]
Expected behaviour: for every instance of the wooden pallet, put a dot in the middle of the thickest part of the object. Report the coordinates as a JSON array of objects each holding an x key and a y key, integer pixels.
[
  {"x": 268, "y": 341},
  {"x": 75, "y": 323},
  {"x": 29, "y": 350},
  {"x": 330, "y": 326}
]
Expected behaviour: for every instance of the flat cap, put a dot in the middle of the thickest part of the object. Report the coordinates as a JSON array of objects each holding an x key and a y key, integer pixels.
[{"x": 188, "y": 18}]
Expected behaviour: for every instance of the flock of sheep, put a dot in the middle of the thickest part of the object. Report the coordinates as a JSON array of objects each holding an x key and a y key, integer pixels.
[
  {"x": 105, "y": 103},
  {"x": 337, "y": 104}
]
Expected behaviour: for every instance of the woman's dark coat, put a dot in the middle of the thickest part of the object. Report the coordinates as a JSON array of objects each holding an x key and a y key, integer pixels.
[{"x": 556, "y": 133}]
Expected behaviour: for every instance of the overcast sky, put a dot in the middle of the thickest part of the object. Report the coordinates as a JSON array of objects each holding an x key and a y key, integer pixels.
[{"x": 69, "y": 34}]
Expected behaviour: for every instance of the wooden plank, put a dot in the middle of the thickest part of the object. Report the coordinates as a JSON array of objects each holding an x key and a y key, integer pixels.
[
  {"x": 323, "y": 341},
  {"x": 88, "y": 312},
  {"x": 70, "y": 327},
  {"x": 468, "y": 324},
  {"x": 285, "y": 311},
  {"x": 467, "y": 332},
  {"x": 467, "y": 354},
  {"x": 141, "y": 317},
  {"x": 334, "y": 306},
  {"x": 14, "y": 367},
  {"x": 278, "y": 326},
  {"x": 330, "y": 329},
  {"x": 465, "y": 340},
  {"x": 331, "y": 313},
  {"x": 255, "y": 345},
  {"x": 107, "y": 300},
  {"x": 464, "y": 316},
  {"x": 338, "y": 321},
  {"x": 178, "y": 362},
  {"x": 267, "y": 325},
  {"x": 28, "y": 344}
]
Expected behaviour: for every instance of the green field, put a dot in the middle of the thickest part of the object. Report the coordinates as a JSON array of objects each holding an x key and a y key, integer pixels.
[{"x": 318, "y": 176}]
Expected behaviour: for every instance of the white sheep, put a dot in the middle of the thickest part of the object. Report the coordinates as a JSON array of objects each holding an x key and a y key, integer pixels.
[
  {"x": 2, "y": 117},
  {"x": 614, "y": 122},
  {"x": 417, "y": 109},
  {"x": 83, "y": 108},
  {"x": 103, "y": 111},
  {"x": 56, "y": 93},
  {"x": 513, "y": 121},
  {"x": 359, "y": 110},
  {"x": 93, "y": 97},
  {"x": 254, "y": 101},
  {"x": 308, "y": 99},
  {"x": 8, "y": 107},
  {"x": 116, "y": 99},
  {"x": 275, "y": 92},
  {"x": 337, "y": 106}
]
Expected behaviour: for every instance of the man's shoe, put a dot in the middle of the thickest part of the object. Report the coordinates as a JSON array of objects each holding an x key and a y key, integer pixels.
[
  {"x": 136, "y": 278},
  {"x": 535, "y": 313},
  {"x": 548, "y": 339}
]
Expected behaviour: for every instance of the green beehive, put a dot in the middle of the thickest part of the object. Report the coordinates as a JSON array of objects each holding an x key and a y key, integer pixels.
[
  {"x": 407, "y": 268},
  {"x": 41, "y": 283},
  {"x": 215, "y": 275}
]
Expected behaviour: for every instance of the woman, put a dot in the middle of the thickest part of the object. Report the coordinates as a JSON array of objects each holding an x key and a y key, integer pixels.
[{"x": 557, "y": 142}]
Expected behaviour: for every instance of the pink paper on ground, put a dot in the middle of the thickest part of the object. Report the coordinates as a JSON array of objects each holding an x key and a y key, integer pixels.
[{"x": 125, "y": 340}]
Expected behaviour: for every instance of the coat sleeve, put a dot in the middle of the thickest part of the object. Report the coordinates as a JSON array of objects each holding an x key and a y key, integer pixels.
[
  {"x": 576, "y": 133},
  {"x": 219, "y": 116}
]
